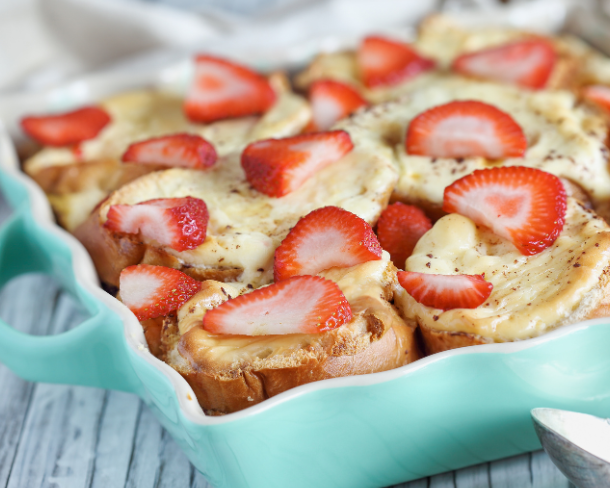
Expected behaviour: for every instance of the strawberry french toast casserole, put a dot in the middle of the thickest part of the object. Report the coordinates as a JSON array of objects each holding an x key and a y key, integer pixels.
[{"x": 399, "y": 200}]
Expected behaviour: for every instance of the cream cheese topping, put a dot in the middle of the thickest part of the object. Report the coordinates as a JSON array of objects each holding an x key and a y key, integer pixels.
[
  {"x": 364, "y": 286},
  {"x": 143, "y": 114},
  {"x": 531, "y": 294},
  {"x": 343, "y": 66},
  {"x": 246, "y": 226},
  {"x": 563, "y": 138}
]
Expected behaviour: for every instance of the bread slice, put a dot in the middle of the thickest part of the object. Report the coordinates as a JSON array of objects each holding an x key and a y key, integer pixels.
[
  {"x": 76, "y": 181},
  {"x": 442, "y": 39},
  {"x": 564, "y": 138},
  {"x": 343, "y": 66},
  {"x": 245, "y": 225},
  {"x": 564, "y": 284},
  {"x": 229, "y": 373}
]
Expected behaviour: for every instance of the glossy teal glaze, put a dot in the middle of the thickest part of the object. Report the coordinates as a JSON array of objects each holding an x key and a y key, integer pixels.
[
  {"x": 92, "y": 354},
  {"x": 456, "y": 411}
]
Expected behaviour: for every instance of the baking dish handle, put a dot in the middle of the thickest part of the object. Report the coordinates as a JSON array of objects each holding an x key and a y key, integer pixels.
[{"x": 93, "y": 353}]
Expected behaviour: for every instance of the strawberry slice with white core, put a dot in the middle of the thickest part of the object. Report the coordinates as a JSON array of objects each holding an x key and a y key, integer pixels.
[
  {"x": 177, "y": 150},
  {"x": 325, "y": 238},
  {"x": 446, "y": 292},
  {"x": 179, "y": 223},
  {"x": 526, "y": 63},
  {"x": 222, "y": 89},
  {"x": 299, "y": 305},
  {"x": 598, "y": 94},
  {"x": 399, "y": 228},
  {"x": 68, "y": 128},
  {"x": 527, "y": 206},
  {"x": 277, "y": 167},
  {"x": 464, "y": 129},
  {"x": 331, "y": 101},
  {"x": 385, "y": 62},
  {"x": 155, "y": 291}
]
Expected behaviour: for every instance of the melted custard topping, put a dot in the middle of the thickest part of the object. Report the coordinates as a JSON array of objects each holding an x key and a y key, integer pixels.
[
  {"x": 143, "y": 114},
  {"x": 246, "y": 226},
  {"x": 562, "y": 138},
  {"x": 531, "y": 294},
  {"x": 365, "y": 286}
]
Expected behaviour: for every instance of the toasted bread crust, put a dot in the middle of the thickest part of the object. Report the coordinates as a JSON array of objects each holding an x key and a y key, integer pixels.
[
  {"x": 231, "y": 372},
  {"x": 110, "y": 259},
  {"x": 441, "y": 340},
  {"x": 221, "y": 392},
  {"x": 111, "y": 253}
]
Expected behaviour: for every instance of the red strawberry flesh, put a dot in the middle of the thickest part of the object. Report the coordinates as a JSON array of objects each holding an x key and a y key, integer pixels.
[
  {"x": 527, "y": 206},
  {"x": 155, "y": 291},
  {"x": 277, "y": 167},
  {"x": 299, "y": 305},
  {"x": 464, "y": 129},
  {"x": 177, "y": 150},
  {"x": 179, "y": 223},
  {"x": 446, "y": 292},
  {"x": 399, "y": 228},
  {"x": 325, "y": 238},
  {"x": 331, "y": 101},
  {"x": 598, "y": 94},
  {"x": 68, "y": 128},
  {"x": 385, "y": 62},
  {"x": 222, "y": 89},
  {"x": 526, "y": 63}
]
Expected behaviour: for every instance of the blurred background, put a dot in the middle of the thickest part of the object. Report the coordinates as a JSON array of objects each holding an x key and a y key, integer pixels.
[{"x": 45, "y": 41}]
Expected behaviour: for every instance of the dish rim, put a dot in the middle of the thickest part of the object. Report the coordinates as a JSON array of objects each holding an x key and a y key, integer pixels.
[{"x": 86, "y": 277}]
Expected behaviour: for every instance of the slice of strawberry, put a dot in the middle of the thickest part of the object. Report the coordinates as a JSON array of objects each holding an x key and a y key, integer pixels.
[
  {"x": 179, "y": 223},
  {"x": 464, "y": 129},
  {"x": 222, "y": 89},
  {"x": 155, "y": 291},
  {"x": 399, "y": 228},
  {"x": 331, "y": 101},
  {"x": 526, "y": 63},
  {"x": 177, "y": 150},
  {"x": 325, "y": 238},
  {"x": 527, "y": 206},
  {"x": 446, "y": 291},
  {"x": 384, "y": 62},
  {"x": 67, "y": 128},
  {"x": 299, "y": 305},
  {"x": 277, "y": 167},
  {"x": 598, "y": 94}
]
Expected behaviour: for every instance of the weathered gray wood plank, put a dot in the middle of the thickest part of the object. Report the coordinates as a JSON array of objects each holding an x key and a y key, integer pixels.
[
  {"x": 26, "y": 303},
  {"x": 145, "y": 461},
  {"x": 175, "y": 467},
  {"x": 60, "y": 432},
  {"x": 115, "y": 440},
  {"x": 474, "y": 476},
  {"x": 509, "y": 472},
  {"x": 421, "y": 483},
  {"x": 445, "y": 480},
  {"x": 545, "y": 474}
]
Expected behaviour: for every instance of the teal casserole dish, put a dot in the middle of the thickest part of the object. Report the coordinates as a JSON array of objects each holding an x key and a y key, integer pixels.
[{"x": 441, "y": 413}]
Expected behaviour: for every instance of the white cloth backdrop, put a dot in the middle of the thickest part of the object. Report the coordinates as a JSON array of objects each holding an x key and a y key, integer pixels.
[{"x": 45, "y": 41}]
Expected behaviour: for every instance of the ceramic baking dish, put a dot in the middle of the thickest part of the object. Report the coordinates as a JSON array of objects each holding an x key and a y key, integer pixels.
[{"x": 441, "y": 413}]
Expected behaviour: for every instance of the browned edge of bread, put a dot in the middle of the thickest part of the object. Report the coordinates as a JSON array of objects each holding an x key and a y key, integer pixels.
[
  {"x": 441, "y": 340},
  {"x": 232, "y": 391},
  {"x": 224, "y": 388},
  {"x": 112, "y": 252}
]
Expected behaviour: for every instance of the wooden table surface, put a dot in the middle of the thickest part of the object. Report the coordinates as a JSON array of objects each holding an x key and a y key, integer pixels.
[{"x": 78, "y": 437}]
